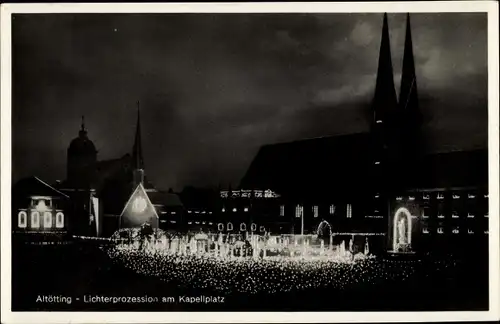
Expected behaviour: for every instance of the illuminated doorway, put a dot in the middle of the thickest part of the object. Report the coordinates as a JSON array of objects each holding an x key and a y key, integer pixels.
[{"x": 401, "y": 238}]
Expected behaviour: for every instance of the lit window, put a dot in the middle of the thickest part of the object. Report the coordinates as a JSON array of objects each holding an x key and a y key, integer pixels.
[
  {"x": 332, "y": 209},
  {"x": 440, "y": 230},
  {"x": 246, "y": 209},
  {"x": 455, "y": 230},
  {"x": 189, "y": 212},
  {"x": 425, "y": 230},
  {"x": 377, "y": 162},
  {"x": 253, "y": 227},
  {"x": 349, "y": 211},
  {"x": 223, "y": 210},
  {"x": 229, "y": 226},
  {"x": 299, "y": 211},
  {"x": 35, "y": 219},
  {"x": 22, "y": 219},
  {"x": 234, "y": 210},
  {"x": 196, "y": 211},
  {"x": 379, "y": 121},
  {"x": 282, "y": 210},
  {"x": 262, "y": 228},
  {"x": 47, "y": 219},
  {"x": 173, "y": 213},
  {"x": 243, "y": 227},
  {"x": 469, "y": 231},
  {"x": 440, "y": 216},
  {"x": 220, "y": 227},
  {"x": 315, "y": 211},
  {"x": 59, "y": 220},
  {"x": 454, "y": 215}
]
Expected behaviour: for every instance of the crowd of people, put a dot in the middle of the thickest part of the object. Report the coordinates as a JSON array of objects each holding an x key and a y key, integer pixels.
[{"x": 272, "y": 274}]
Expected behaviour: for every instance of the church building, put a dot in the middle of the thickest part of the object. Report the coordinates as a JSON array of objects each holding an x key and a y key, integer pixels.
[{"x": 383, "y": 185}]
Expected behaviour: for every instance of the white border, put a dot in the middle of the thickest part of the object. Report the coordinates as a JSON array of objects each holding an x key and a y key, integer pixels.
[{"x": 156, "y": 317}]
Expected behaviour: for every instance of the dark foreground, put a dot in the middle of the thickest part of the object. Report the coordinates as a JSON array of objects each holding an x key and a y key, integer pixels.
[{"x": 82, "y": 270}]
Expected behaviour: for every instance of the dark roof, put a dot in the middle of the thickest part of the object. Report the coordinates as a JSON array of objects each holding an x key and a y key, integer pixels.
[
  {"x": 166, "y": 199},
  {"x": 33, "y": 186},
  {"x": 343, "y": 165},
  {"x": 453, "y": 169},
  {"x": 312, "y": 165},
  {"x": 199, "y": 198}
]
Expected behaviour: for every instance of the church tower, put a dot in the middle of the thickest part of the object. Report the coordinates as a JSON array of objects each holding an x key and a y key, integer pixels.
[
  {"x": 81, "y": 159},
  {"x": 137, "y": 158},
  {"x": 384, "y": 105},
  {"x": 408, "y": 100}
]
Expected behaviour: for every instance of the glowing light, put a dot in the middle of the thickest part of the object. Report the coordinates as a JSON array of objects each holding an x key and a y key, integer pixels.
[
  {"x": 224, "y": 194},
  {"x": 486, "y": 196},
  {"x": 41, "y": 206},
  {"x": 189, "y": 212},
  {"x": 440, "y": 230},
  {"x": 189, "y": 223},
  {"x": 253, "y": 227},
  {"x": 377, "y": 162},
  {"x": 59, "y": 220},
  {"x": 396, "y": 228},
  {"x": 234, "y": 210},
  {"x": 245, "y": 209},
  {"x": 223, "y": 210},
  {"x": 173, "y": 213},
  {"x": 220, "y": 227},
  {"x": 426, "y": 197},
  {"x": 471, "y": 196},
  {"x": 455, "y": 230},
  {"x": 411, "y": 198},
  {"x": 35, "y": 219},
  {"x": 196, "y": 211},
  {"x": 332, "y": 209},
  {"x": 440, "y": 197},
  {"x": 379, "y": 121},
  {"x": 440, "y": 216},
  {"x": 425, "y": 231},
  {"x": 299, "y": 211},
  {"x": 139, "y": 205},
  {"x": 22, "y": 219},
  {"x": 235, "y": 194},
  {"x": 454, "y": 215},
  {"x": 469, "y": 215},
  {"x": 456, "y": 196},
  {"x": 469, "y": 231},
  {"x": 203, "y": 212},
  {"x": 282, "y": 210},
  {"x": 349, "y": 211},
  {"x": 399, "y": 198}
]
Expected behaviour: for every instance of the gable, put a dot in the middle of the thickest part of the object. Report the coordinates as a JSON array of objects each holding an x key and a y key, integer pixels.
[{"x": 138, "y": 210}]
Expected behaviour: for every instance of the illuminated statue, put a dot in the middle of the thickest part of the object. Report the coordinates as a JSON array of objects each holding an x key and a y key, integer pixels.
[{"x": 402, "y": 232}]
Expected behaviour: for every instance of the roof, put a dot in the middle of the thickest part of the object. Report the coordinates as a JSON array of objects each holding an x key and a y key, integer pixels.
[
  {"x": 164, "y": 198},
  {"x": 32, "y": 186},
  {"x": 338, "y": 161},
  {"x": 346, "y": 164}
]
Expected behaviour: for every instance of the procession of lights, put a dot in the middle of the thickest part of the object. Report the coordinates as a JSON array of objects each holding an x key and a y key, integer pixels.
[{"x": 192, "y": 263}]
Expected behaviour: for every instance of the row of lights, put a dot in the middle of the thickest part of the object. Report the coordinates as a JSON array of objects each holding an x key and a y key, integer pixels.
[
  {"x": 454, "y": 231},
  {"x": 22, "y": 219}
]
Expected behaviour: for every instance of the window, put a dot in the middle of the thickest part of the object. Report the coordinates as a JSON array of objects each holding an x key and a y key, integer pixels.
[
  {"x": 35, "y": 219},
  {"x": 440, "y": 230},
  {"x": 243, "y": 227},
  {"x": 332, "y": 209},
  {"x": 229, "y": 226},
  {"x": 234, "y": 210},
  {"x": 47, "y": 219},
  {"x": 455, "y": 215},
  {"x": 245, "y": 209},
  {"x": 253, "y": 227},
  {"x": 455, "y": 230},
  {"x": 299, "y": 211},
  {"x": 220, "y": 227},
  {"x": 349, "y": 211},
  {"x": 223, "y": 209},
  {"x": 282, "y": 210},
  {"x": 262, "y": 228},
  {"x": 315, "y": 211},
  {"x": 59, "y": 220},
  {"x": 425, "y": 230},
  {"x": 22, "y": 219}
]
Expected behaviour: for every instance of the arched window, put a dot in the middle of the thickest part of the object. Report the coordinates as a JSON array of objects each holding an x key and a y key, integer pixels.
[
  {"x": 22, "y": 219},
  {"x": 253, "y": 227},
  {"x": 262, "y": 228},
  {"x": 243, "y": 227},
  {"x": 47, "y": 219},
  {"x": 229, "y": 226},
  {"x": 35, "y": 219},
  {"x": 59, "y": 220}
]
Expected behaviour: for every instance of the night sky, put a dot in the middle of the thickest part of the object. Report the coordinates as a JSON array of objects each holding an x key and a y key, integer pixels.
[{"x": 214, "y": 88}]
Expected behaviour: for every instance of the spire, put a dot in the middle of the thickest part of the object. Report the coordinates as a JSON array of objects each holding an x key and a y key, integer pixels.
[
  {"x": 408, "y": 97},
  {"x": 384, "y": 101},
  {"x": 83, "y": 130},
  {"x": 138, "y": 161}
]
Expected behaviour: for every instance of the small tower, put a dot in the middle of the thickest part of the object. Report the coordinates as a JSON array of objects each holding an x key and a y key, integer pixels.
[{"x": 81, "y": 159}]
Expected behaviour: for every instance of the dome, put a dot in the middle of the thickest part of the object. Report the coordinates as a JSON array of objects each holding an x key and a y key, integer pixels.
[{"x": 82, "y": 144}]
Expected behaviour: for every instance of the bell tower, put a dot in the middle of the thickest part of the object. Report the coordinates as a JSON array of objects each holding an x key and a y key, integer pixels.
[{"x": 137, "y": 158}]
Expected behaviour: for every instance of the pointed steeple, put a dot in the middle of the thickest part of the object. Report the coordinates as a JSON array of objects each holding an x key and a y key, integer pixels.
[
  {"x": 138, "y": 161},
  {"x": 384, "y": 101},
  {"x": 408, "y": 96}
]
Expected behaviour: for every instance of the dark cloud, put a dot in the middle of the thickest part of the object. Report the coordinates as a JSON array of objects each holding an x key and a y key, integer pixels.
[{"x": 214, "y": 87}]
